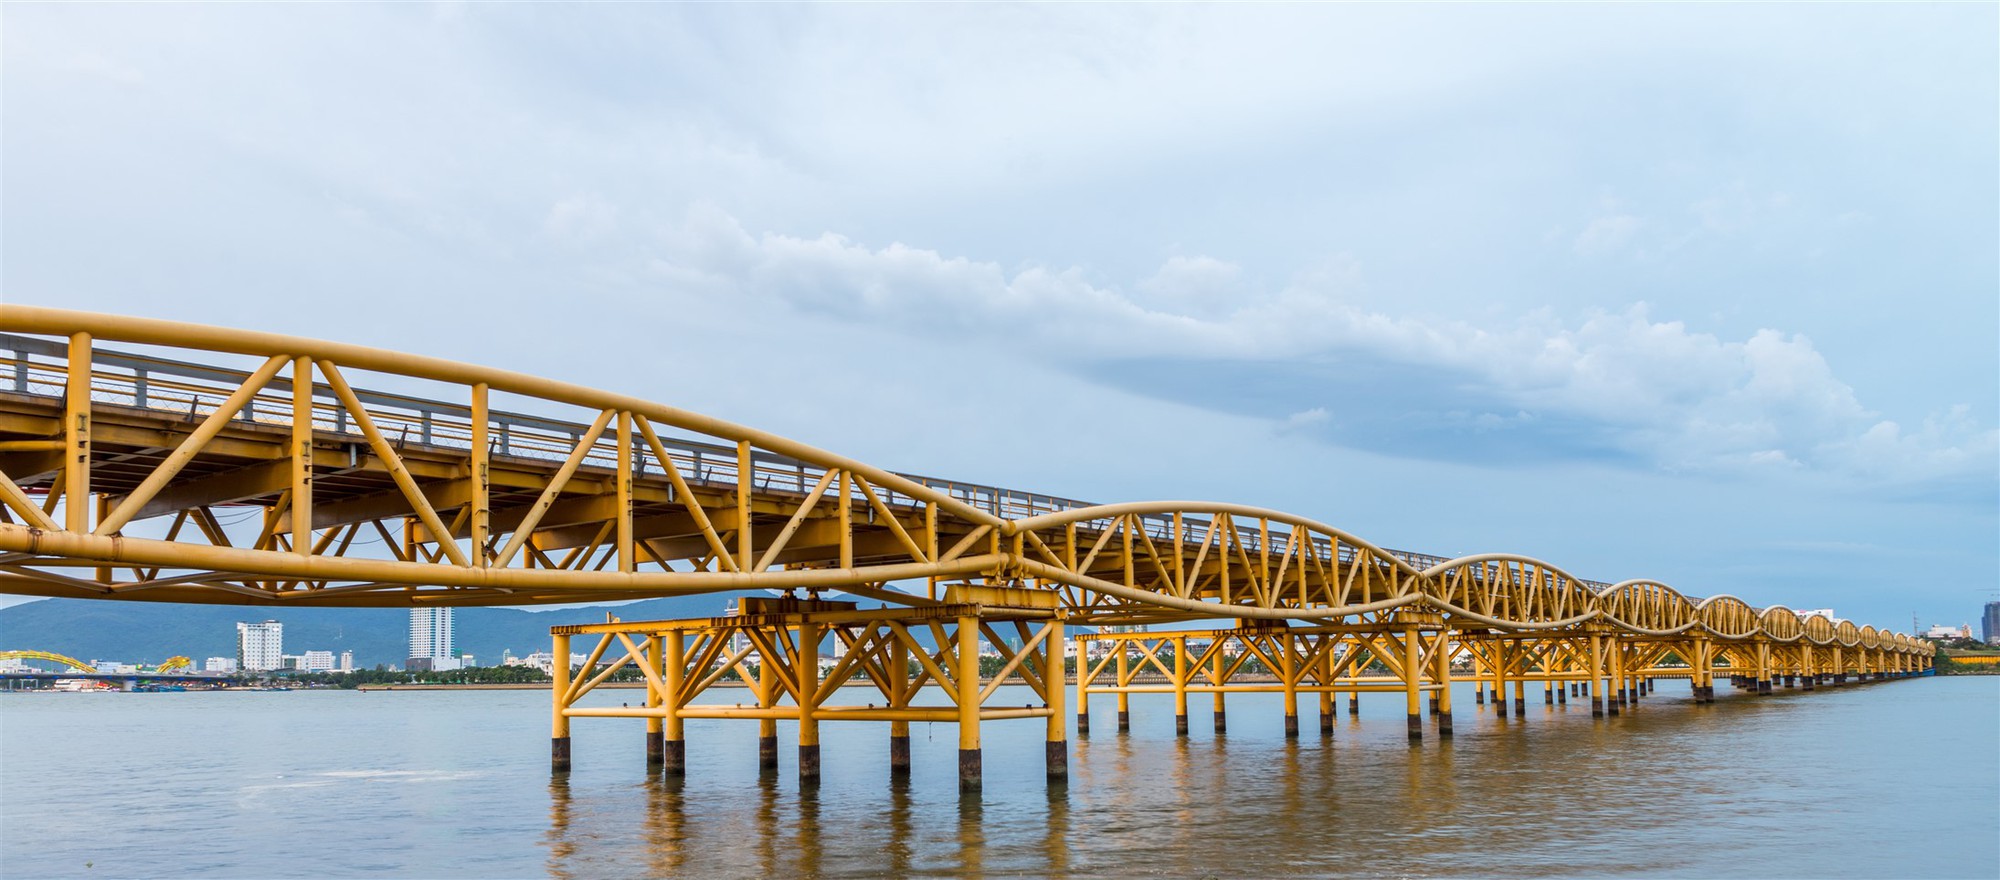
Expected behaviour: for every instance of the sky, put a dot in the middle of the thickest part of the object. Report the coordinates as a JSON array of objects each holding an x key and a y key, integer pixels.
[{"x": 1704, "y": 293}]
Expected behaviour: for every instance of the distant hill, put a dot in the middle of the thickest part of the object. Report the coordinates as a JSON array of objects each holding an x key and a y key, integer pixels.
[{"x": 149, "y": 632}]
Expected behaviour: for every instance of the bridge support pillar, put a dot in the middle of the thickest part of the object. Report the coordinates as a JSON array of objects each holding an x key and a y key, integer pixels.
[
  {"x": 1413, "y": 673},
  {"x": 1085, "y": 673},
  {"x": 559, "y": 732},
  {"x": 656, "y": 748},
  {"x": 1215, "y": 675},
  {"x": 1053, "y": 674},
  {"x": 807, "y": 668},
  {"x": 1180, "y": 686},
  {"x": 775, "y": 644},
  {"x": 1441, "y": 676},
  {"x": 1592, "y": 688},
  {"x": 1614, "y": 689},
  {"x": 673, "y": 731},
  {"x": 1326, "y": 697},
  {"x": 899, "y": 748},
  {"x": 970, "y": 771},
  {"x": 1124, "y": 679},
  {"x": 767, "y": 728}
]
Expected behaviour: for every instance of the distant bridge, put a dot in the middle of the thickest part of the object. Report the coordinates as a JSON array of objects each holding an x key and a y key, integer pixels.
[{"x": 117, "y": 468}]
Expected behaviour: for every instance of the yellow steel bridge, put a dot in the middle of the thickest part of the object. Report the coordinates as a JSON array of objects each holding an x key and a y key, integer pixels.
[{"x": 132, "y": 449}]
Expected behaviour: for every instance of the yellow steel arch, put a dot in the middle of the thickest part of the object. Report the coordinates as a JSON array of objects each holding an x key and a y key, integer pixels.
[
  {"x": 68, "y": 661},
  {"x": 172, "y": 664},
  {"x": 1648, "y": 607},
  {"x": 1781, "y": 624},
  {"x": 1728, "y": 617},
  {"x": 603, "y": 496},
  {"x": 1846, "y": 634},
  {"x": 1515, "y": 592}
]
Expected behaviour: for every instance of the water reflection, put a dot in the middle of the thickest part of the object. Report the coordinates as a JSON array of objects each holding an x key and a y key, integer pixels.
[
  {"x": 561, "y": 849},
  {"x": 1055, "y": 841},
  {"x": 898, "y": 850},
  {"x": 666, "y": 826},
  {"x": 971, "y": 835},
  {"x": 1505, "y": 797},
  {"x": 765, "y": 832}
]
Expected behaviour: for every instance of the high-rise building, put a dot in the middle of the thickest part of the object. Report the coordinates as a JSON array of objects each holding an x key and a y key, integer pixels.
[
  {"x": 1989, "y": 626},
  {"x": 347, "y": 661},
  {"x": 430, "y": 638},
  {"x": 316, "y": 661},
  {"x": 259, "y": 645}
]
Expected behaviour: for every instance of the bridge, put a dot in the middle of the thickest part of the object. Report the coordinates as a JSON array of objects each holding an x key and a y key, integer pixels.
[
  {"x": 145, "y": 460},
  {"x": 174, "y": 669}
]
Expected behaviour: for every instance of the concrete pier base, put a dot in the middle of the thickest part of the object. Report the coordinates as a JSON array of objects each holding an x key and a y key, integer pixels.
[
  {"x": 968, "y": 770},
  {"x": 809, "y": 765},
  {"x": 899, "y": 756}
]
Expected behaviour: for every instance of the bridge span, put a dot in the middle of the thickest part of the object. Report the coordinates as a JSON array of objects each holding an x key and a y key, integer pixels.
[{"x": 145, "y": 460}]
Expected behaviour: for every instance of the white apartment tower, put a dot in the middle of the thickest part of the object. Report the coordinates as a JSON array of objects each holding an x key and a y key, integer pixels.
[
  {"x": 259, "y": 645},
  {"x": 430, "y": 633}
]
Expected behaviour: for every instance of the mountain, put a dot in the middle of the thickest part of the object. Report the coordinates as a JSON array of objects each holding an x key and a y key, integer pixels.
[{"x": 149, "y": 632}]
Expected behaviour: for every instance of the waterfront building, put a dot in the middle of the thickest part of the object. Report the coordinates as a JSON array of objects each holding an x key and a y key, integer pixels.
[
  {"x": 430, "y": 640},
  {"x": 1989, "y": 625},
  {"x": 220, "y": 664},
  {"x": 113, "y": 667},
  {"x": 347, "y": 661},
  {"x": 316, "y": 661},
  {"x": 546, "y": 661},
  {"x": 259, "y": 645},
  {"x": 1942, "y": 631}
]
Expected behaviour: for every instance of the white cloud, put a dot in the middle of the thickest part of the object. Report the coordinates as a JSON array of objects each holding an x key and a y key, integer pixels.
[
  {"x": 1680, "y": 399},
  {"x": 1606, "y": 233}
]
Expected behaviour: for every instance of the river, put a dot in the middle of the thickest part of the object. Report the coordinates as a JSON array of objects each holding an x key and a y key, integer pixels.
[{"x": 1898, "y": 779}]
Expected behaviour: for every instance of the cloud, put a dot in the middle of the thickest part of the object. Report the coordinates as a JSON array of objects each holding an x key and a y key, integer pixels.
[
  {"x": 1619, "y": 386},
  {"x": 1606, "y": 232}
]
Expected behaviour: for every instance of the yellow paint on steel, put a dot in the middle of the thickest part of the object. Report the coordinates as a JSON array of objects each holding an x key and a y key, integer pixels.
[{"x": 732, "y": 510}]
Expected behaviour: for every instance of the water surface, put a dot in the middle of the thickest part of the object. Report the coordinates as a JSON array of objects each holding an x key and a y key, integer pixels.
[{"x": 1900, "y": 779}]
